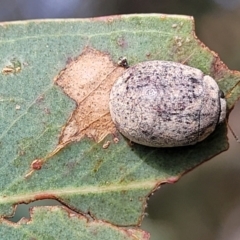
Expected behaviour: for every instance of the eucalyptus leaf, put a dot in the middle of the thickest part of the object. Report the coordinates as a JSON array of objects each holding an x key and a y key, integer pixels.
[{"x": 57, "y": 139}]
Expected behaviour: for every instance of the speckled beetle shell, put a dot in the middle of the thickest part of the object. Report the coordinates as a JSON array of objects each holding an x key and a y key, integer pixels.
[{"x": 166, "y": 104}]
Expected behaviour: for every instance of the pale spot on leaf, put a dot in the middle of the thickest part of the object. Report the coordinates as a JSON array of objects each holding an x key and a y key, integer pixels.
[{"x": 88, "y": 80}]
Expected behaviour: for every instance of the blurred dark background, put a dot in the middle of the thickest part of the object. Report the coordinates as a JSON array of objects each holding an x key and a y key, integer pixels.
[{"x": 205, "y": 203}]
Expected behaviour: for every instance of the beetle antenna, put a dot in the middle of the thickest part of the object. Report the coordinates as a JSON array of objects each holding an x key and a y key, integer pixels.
[{"x": 233, "y": 133}]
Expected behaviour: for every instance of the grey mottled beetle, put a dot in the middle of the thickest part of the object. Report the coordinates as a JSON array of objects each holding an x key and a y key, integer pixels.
[{"x": 166, "y": 104}]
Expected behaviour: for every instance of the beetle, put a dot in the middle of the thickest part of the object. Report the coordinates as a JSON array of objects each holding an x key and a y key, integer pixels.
[{"x": 166, "y": 104}]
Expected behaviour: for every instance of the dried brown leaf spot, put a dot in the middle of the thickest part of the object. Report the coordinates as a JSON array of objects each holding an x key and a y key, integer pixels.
[{"x": 88, "y": 80}]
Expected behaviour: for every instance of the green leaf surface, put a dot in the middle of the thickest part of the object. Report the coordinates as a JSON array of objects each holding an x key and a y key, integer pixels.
[
  {"x": 56, "y": 223},
  {"x": 113, "y": 183}
]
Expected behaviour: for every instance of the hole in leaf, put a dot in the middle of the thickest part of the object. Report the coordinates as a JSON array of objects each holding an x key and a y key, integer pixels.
[{"x": 22, "y": 210}]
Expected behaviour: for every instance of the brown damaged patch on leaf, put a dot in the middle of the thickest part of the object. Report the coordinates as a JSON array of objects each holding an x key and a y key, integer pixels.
[
  {"x": 88, "y": 80},
  {"x": 218, "y": 68},
  {"x": 219, "y": 71},
  {"x": 37, "y": 164}
]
